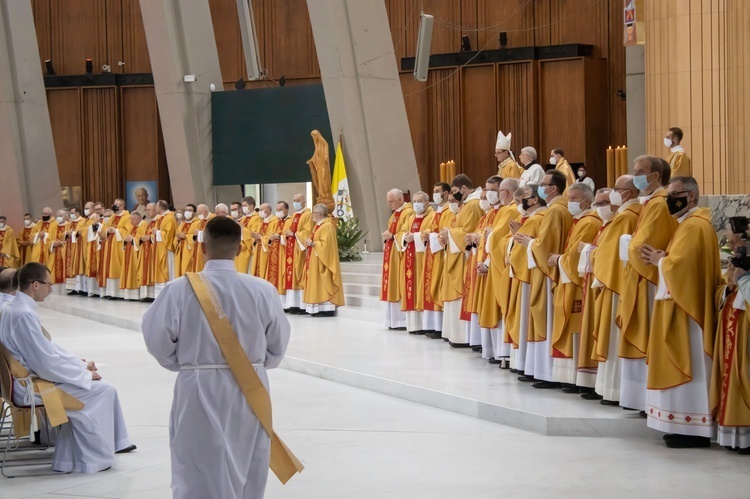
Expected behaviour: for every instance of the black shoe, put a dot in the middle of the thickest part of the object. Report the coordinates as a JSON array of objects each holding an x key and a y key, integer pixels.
[
  {"x": 744, "y": 452},
  {"x": 516, "y": 371},
  {"x": 526, "y": 379},
  {"x": 476, "y": 348},
  {"x": 591, "y": 396},
  {"x": 643, "y": 414},
  {"x": 687, "y": 442},
  {"x": 397, "y": 329},
  {"x": 433, "y": 335},
  {"x": 416, "y": 332},
  {"x": 545, "y": 385},
  {"x": 495, "y": 361},
  {"x": 445, "y": 339},
  {"x": 458, "y": 345},
  {"x": 129, "y": 448},
  {"x": 610, "y": 402},
  {"x": 568, "y": 388},
  {"x": 72, "y": 293}
]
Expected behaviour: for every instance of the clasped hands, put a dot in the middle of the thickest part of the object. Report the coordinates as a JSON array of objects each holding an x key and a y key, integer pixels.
[
  {"x": 651, "y": 255},
  {"x": 91, "y": 366}
]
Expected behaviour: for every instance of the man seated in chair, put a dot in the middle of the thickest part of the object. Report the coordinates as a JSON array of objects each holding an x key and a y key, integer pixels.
[{"x": 89, "y": 441}]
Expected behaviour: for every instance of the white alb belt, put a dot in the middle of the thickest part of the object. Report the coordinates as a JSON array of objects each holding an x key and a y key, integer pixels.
[{"x": 214, "y": 366}]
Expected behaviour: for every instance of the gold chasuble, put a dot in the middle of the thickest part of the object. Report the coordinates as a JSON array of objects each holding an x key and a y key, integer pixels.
[
  {"x": 130, "y": 278},
  {"x": 266, "y": 262},
  {"x": 474, "y": 284},
  {"x": 412, "y": 275},
  {"x": 323, "y": 271},
  {"x": 146, "y": 258},
  {"x": 692, "y": 273},
  {"x": 42, "y": 238},
  {"x": 9, "y": 255},
  {"x": 494, "y": 248},
  {"x": 249, "y": 224},
  {"x": 26, "y": 235},
  {"x": 655, "y": 227},
  {"x": 555, "y": 227},
  {"x": 606, "y": 268},
  {"x": 199, "y": 258},
  {"x": 284, "y": 225},
  {"x": 73, "y": 248},
  {"x": 89, "y": 264},
  {"x": 519, "y": 269},
  {"x": 730, "y": 379},
  {"x": 453, "y": 271},
  {"x": 564, "y": 167},
  {"x": 392, "y": 257},
  {"x": 186, "y": 248},
  {"x": 433, "y": 262},
  {"x": 509, "y": 169},
  {"x": 166, "y": 225},
  {"x": 568, "y": 297},
  {"x": 680, "y": 164},
  {"x": 58, "y": 269},
  {"x": 301, "y": 226},
  {"x": 112, "y": 250}
]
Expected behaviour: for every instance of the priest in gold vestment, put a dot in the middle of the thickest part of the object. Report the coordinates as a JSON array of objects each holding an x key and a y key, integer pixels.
[
  {"x": 432, "y": 315},
  {"x": 398, "y": 225},
  {"x": 683, "y": 322},
  {"x": 10, "y": 257},
  {"x": 251, "y": 223},
  {"x": 266, "y": 264},
  {"x": 89, "y": 284},
  {"x": 678, "y": 159},
  {"x": 655, "y": 228},
  {"x": 413, "y": 270},
  {"x": 73, "y": 249},
  {"x": 130, "y": 277},
  {"x": 112, "y": 250},
  {"x": 43, "y": 235},
  {"x": 146, "y": 255},
  {"x": 165, "y": 244},
  {"x": 507, "y": 167},
  {"x": 324, "y": 290},
  {"x": 203, "y": 216},
  {"x": 296, "y": 232},
  {"x": 58, "y": 273},
  {"x": 24, "y": 239},
  {"x": 187, "y": 245},
  {"x": 557, "y": 159}
]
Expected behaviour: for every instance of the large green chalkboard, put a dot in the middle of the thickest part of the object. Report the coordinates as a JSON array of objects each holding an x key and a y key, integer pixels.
[{"x": 262, "y": 136}]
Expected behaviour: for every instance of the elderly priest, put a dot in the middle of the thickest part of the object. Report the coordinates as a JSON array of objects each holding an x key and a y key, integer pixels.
[
  {"x": 95, "y": 431},
  {"x": 324, "y": 290}
]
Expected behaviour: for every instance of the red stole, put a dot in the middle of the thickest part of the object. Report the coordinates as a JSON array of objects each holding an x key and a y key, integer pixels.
[
  {"x": 59, "y": 257},
  {"x": 309, "y": 252},
  {"x": 730, "y": 317},
  {"x": 43, "y": 254},
  {"x": 387, "y": 257},
  {"x": 429, "y": 262},
  {"x": 148, "y": 249},
  {"x": 410, "y": 267},
  {"x": 291, "y": 241}
]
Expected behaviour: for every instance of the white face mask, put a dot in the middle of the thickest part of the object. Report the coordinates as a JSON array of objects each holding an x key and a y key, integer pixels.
[
  {"x": 667, "y": 142},
  {"x": 419, "y": 207},
  {"x": 297, "y": 206},
  {"x": 453, "y": 207},
  {"x": 106, "y": 219},
  {"x": 493, "y": 197},
  {"x": 28, "y": 223},
  {"x": 201, "y": 216},
  {"x": 574, "y": 208},
  {"x": 2, "y": 225},
  {"x": 280, "y": 214},
  {"x": 246, "y": 210},
  {"x": 519, "y": 208},
  {"x": 581, "y": 174},
  {"x": 60, "y": 220},
  {"x": 188, "y": 215},
  {"x": 552, "y": 160},
  {"x": 604, "y": 212},
  {"x": 615, "y": 198},
  {"x": 484, "y": 204},
  {"x": 178, "y": 216},
  {"x": 266, "y": 216},
  {"x": 73, "y": 216},
  {"x": 437, "y": 197},
  {"x": 87, "y": 212},
  {"x": 235, "y": 214}
]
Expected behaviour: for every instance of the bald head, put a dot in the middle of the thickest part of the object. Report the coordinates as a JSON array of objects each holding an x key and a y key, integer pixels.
[
  {"x": 202, "y": 211},
  {"x": 7, "y": 284},
  {"x": 221, "y": 210},
  {"x": 508, "y": 188},
  {"x": 395, "y": 198},
  {"x": 151, "y": 210}
]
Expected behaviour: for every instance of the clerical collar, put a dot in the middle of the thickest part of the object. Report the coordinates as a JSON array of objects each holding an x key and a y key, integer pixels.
[
  {"x": 214, "y": 265},
  {"x": 684, "y": 217},
  {"x": 583, "y": 214},
  {"x": 530, "y": 214},
  {"x": 644, "y": 199},
  {"x": 442, "y": 207},
  {"x": 320, "y": 221},
  {"x": 627, "y": 203},
  {"x": 400, "y": 208},
  {"x": 477, "y": 194},
  {"x": 677, "y": 148},
  {"x": 26, "y": 299},
  {"x": 268, "y": 219}
]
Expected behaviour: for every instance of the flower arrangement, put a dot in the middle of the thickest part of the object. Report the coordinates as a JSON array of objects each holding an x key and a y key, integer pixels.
[{"x": 348, "y": 235}]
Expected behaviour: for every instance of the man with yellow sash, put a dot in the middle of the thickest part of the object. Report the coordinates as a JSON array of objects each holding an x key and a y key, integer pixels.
[
  {"x": 111, "y": 253},
  {"x": 10, "y": 257},
  {"x": 517, "y": 314},
  {"x": 94, "y": 427},
  {"x": 58, "y": 268},
  {"x": 230, "y": 458},
  {"x": 42, "y": 239},
  {"x": 678, "y": 159},
  {"x": 506, "y": 164},
  {"x": 251, "y": 223},
  {"x": 497, "y": 249},
  {"x": 545, "y": 277},
  {"x": 130, "y": 279},
  {"x": 398, "y": 225},
  {"x": 165, "y": 244},
  {"x": 324, "y": 290},
  {"x": 25, "y": 239},
  {"x": 568, "y": 295},
  {"x": 730, "y": 379},
  {"x": 683, "y": 324},
  {"x": 655, "y": 228},
  {"x": 557, "y": 159},
  {"x": 412, "y": 274},
  {"x": 266, "y": 264},
  {"x": 432, "y": 315},
  {"x": 453, "y": 239},
  {"x": 73, "y": 249},
  {"x": 296, "y": 232},
  {"x": 186, "y": 241}
]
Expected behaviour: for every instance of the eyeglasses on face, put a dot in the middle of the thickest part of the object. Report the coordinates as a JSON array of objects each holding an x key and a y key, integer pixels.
[{"x": 43, "y": 282}]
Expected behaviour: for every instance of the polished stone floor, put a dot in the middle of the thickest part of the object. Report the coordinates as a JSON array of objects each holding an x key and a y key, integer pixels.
[{"x": 359, "y": 444}]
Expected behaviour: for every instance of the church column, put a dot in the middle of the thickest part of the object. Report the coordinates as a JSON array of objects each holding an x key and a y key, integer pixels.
[
  {"x": 364, "y": 99},
  {"x": 30, "y": 180},
  {"x": 181, "y": 42}
]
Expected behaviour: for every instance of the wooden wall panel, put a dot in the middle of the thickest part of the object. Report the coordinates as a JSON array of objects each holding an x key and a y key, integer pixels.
[
  {"x": 515, "y": 17},
  {"x": 737, "y": 40},
  {"x": 139, "y": 134},
  {"x": 517, "y": 104},
  {"x": 134, "y": 46},
  {"x": 102, "y": 172},
  {"x": 615, "y": 53},
  {"x": 79, "y": 31},
  {"x": 444, "y": 117},
  {"x": 42, "y": 23},
  {"x": 416, "y": 113},
  {"x": 562, "y": 107},
  {"x": 479, "y": 122},
  {"x": 65, "y": 117},
  {"x": 228, "y": 39},
  {"x": 293, "y": 56}
]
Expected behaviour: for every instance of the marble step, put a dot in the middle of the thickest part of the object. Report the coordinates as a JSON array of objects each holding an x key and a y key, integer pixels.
[
  {"x": 360, "y": 278},
  {"x": 375, "y": 268},
  {"x": 364, "y": 301},
  {"x": 362, "y": 289}
]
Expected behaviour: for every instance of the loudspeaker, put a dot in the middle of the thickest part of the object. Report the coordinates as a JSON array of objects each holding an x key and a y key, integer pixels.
[
  {"x": 424, "y": 40},
  {"x": 249, "y": 39}
]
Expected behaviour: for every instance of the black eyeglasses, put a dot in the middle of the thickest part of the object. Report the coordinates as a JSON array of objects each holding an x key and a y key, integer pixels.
[{"x": 43, "y": 282}]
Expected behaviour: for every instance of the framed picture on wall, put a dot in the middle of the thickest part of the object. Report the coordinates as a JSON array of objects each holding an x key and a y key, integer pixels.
[
  {"x": 140, "y": 193},
  {"x": 71, "y": 195}
]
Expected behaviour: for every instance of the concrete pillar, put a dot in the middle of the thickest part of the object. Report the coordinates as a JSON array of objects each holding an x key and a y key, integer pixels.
[
  {"x": 364, "y": 98},
  {"x": 635, "y": 90},
  {"x": 30, "y": 180},
  {"x": 181, "y": 42}
]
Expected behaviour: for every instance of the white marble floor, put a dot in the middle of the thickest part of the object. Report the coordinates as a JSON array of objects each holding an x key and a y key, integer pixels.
[{"x": 356, "y": 443}]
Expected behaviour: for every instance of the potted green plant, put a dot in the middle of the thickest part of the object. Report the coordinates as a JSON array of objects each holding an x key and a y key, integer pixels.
[{"x": 348, "y": 235}]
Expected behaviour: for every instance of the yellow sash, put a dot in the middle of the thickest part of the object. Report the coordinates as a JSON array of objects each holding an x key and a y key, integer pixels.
[{"x": 283, "y": 463}]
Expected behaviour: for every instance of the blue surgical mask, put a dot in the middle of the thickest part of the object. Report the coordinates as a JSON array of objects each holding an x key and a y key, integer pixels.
[
  {"x": 297, "y": 206},
  {"x": 641, "y": 182},
  {"x": 543, "y": 193}
]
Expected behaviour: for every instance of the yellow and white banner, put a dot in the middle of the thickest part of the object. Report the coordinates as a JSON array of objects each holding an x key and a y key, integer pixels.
[{"x": 340, "y": 187}]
